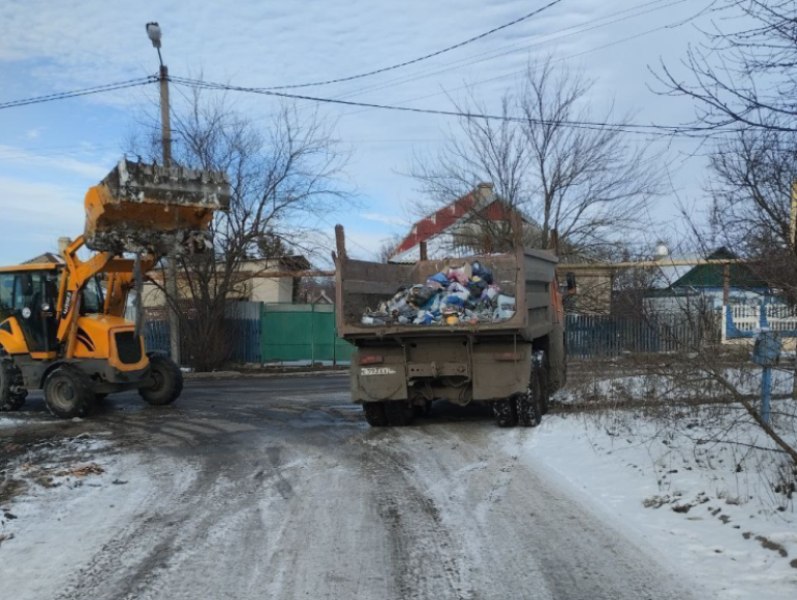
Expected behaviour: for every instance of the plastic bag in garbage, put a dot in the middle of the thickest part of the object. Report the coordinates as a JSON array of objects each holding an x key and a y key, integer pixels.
[
  {"x": 420, "y": 295},
  {"x": 476, "y": 286},
  {"x": 482, "y": 272},
  {"x": 505, "y": 308},
  {"x": 458, "y": 274},
  {"x": 439, "y": 278}
]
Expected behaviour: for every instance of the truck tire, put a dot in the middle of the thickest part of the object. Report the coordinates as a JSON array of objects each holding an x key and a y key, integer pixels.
[
  {"x": 375, "y": 414},
  {"x": 529, "y": 409},
  {"x": 167, "y": 381},
  {"x": 68, "y": 392},
  {"x": 545, "y": 391},
  {"x": 10, "y": 379},
  {"x": 398, "y": 413},
  {"x": 505, "y": 412}
]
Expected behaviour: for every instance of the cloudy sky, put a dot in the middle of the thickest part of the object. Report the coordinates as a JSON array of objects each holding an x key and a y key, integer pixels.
[{"x": 51, "y": 152}]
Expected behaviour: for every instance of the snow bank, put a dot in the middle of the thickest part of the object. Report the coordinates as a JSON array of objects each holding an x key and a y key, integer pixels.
[{"x": 708, "y": 506}]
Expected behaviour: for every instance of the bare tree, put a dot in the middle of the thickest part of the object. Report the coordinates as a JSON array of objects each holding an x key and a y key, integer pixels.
[
  {"x": 279, "y": 176},
  {"x": 388, "y": 247},
  {"x": 587, "y": 182},
  {"x": 743, "y": 76}
]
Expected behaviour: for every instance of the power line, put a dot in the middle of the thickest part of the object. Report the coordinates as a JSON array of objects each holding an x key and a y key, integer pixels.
[
  {"x": 109, "y": 87},
  {"x": 636, "y": 128},
  {"x": 553, "y": 36},
  {"x": 420, "y": 58},
  {"x": 471, "y": 85}
]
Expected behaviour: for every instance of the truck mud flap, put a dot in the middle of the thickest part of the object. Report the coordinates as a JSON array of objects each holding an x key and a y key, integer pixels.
[
  {"x": 384, "y": 380},
  {"x": 500, "y": 370}
]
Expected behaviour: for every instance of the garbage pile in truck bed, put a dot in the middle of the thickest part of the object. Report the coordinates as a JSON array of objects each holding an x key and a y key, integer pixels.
[{"x": 464, "y": 294}]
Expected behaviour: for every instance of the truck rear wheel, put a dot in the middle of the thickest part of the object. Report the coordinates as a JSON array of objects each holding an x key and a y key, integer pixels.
[
  {"x": 166, "y": 381},
  {"x": 545, "y": 391},
  {"x": 398, "y": 413},
  {"x": 68, "y": 392},
  {"x": 375, "y": 414},
  {"x": 529, "y": 404},
  {"x": 505, "y": 412}
]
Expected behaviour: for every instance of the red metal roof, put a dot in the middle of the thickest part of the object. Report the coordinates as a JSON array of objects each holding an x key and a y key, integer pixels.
[{"x": 441, "y": 220}]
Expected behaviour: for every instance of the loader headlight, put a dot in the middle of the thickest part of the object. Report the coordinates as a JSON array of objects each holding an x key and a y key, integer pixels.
[{"x": 46, "y": 307}]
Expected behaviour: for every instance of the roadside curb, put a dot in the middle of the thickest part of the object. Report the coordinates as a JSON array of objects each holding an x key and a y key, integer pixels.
[{"x": 261, "y": 375}]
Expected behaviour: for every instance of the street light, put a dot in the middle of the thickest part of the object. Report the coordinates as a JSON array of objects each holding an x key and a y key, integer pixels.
[{"x": 154, "y": 34}]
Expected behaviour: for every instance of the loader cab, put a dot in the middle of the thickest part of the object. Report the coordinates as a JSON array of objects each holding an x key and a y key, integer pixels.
[{"x": 29, "y": 295}]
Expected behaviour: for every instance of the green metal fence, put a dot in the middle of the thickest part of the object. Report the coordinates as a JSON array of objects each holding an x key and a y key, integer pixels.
[{"x": 301, "y": 332}]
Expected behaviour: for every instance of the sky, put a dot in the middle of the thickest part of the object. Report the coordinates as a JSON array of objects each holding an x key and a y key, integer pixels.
[{"x": 51, "y": 152}]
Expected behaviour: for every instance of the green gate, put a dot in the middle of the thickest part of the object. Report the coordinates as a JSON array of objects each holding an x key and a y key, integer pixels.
[{"x": 301, "y": 332}]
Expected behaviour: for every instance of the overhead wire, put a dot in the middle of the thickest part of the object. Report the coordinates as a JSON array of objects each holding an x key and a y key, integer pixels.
[
  {"x": 420, "y": 58},
  {"x": 548, "y": 38},
  {"x": 99, "y": 89},
  {"x": 636, "y": 128},
  {"x": 473, "y": 84}
]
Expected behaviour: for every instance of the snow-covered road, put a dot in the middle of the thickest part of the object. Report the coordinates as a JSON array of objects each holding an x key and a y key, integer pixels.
[{"x": 286, "y": 493}]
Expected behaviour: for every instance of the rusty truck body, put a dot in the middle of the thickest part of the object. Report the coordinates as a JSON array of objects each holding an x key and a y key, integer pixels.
[{"x": 398, "y": 370}]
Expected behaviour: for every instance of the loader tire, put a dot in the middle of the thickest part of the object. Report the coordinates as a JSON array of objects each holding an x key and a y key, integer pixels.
[
  {"x": 505, "y": 412},
  {"x": 375, "y": 414},
  {"x": 398, "y": 413},
  {"x": 10, "y": 379},
  {"x": 167, "y": 381},
  {"x": 68, "y": 392}
]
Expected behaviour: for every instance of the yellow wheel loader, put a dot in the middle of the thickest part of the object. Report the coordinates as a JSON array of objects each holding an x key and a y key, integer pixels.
[{"x": 62, "y": 326}]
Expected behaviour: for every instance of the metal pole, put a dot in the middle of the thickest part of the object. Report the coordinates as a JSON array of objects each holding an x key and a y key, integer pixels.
[
  {"x": 766, "y": 393},
  {"x": 171, "y": 263},
  {"x": 312, "y": 335}
]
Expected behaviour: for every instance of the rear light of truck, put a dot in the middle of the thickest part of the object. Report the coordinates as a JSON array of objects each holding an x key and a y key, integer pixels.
[{"x": 372, "y": 359}]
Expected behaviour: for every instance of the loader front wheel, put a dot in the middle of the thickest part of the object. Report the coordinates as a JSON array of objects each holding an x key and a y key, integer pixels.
[
  {"x": 166, "y": 381},
  {"x": 68, "y": 392},
  {"x": 375, "y": 414},
  {"x": 10, "y": 399}
]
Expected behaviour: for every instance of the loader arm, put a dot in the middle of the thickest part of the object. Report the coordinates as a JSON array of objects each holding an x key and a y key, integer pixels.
[{"x": 78, "y": 273}]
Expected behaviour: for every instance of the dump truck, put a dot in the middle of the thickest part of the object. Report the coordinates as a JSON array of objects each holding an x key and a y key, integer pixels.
[
  {"x": 62, "y": 325},
  {"x": 399, "y": 368}
]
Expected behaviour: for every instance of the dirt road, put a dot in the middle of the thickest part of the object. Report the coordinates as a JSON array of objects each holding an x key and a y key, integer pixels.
[{"x": 276, "y": 488}]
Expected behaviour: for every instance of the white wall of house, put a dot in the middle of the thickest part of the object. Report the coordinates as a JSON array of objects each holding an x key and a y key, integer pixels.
[{"x": 252, "y": 286}]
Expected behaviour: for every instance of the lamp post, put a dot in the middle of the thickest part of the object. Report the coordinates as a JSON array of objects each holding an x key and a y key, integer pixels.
[{"x": 154, "y": 33}]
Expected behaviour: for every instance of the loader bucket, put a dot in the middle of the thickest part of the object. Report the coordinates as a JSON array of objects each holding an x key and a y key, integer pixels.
[{"x": 145, "y": 208}]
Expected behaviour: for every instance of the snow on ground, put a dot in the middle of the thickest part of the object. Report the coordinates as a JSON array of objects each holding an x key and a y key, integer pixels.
[
  {"x": 67, "y": 499},
  {"x": 680, "y": 385},
  {"x": 669, "y": 477},
  {"x": 709, "y": 508}
]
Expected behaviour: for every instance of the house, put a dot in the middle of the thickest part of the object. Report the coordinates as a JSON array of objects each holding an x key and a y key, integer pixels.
[
  {"x": 706, "y": 286},
  {"x": 480, "y": 223},
  {"x": 477, "y": 223},
  {"x": 273, "y": 280},
  {"x": 46, "y": 258}
]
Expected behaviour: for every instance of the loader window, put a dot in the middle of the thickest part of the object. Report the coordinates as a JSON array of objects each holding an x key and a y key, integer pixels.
[
  {"x": 93, "y": 300},
  {"x": 29, "y": 296},
  {"x": 6, "y": 295}
]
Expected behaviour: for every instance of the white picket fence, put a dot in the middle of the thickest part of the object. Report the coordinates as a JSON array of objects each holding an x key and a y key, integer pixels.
[{"x": 748, "y": 319}]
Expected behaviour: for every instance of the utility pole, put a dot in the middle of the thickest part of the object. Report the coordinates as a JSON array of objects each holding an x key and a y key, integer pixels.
[{"x": 154, "y": 34}]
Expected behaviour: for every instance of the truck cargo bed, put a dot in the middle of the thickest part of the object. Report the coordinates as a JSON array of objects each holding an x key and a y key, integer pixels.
[{"x": 527, "y": 275}]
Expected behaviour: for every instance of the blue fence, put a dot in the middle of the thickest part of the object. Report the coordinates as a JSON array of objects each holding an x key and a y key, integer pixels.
[{"x": 609, "y": 335}]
